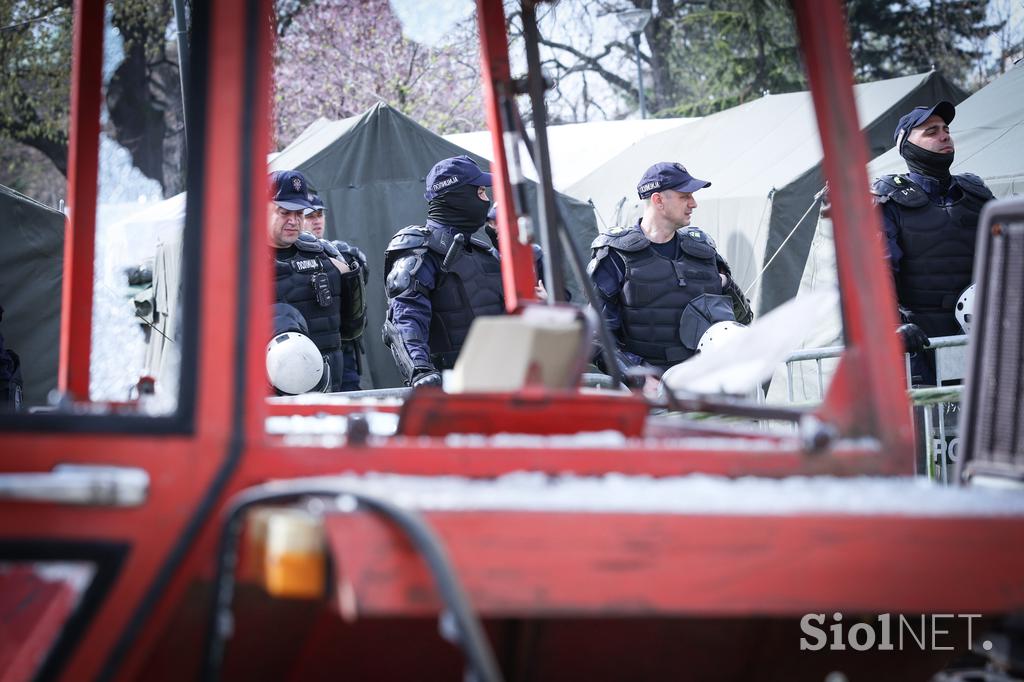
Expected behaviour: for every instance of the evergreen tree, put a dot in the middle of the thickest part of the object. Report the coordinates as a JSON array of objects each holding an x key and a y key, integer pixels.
[{"x": 889, "y": 40}]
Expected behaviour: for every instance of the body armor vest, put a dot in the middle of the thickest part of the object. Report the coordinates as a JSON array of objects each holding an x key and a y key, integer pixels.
[
  {"x": 470, "y": 286},
  {"x": 295, "y": 283},
  {"x": 938, "y": 250},
  {"x": 658, "y": 322}
]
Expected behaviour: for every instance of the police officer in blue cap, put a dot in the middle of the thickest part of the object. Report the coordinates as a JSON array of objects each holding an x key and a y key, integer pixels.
[
  {"x": 931, "y": 224},
  {"x": 313, "y": 221},
  {"x": 662, "y": 283},
  {"x": 440, "y": 276},
  {"x": 325, "y": 290}
]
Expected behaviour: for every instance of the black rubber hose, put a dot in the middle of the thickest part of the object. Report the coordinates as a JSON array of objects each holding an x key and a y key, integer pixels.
[{"x": 472, "y": 639}]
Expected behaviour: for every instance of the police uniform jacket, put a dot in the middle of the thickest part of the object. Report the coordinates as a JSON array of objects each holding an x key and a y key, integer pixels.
[
  {"x": 930, "y": 236},
  {"x": 438, "y": 281},
  {"x": 659, "y": 299}
]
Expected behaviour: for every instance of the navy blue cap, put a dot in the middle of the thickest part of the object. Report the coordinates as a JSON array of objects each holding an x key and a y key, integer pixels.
[
  {"x": 454, "y": 172},
  {"x": 290, "y": 190},
  {"x": 665, "y": 175},
  {"x": 944, "y": 110},
  {"x": 316, "y": 203}
]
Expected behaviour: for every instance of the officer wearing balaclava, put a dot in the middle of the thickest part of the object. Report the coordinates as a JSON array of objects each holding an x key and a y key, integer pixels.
[
  {"x": 931, "y": 223},
  {"x": 440, "y": 276}
]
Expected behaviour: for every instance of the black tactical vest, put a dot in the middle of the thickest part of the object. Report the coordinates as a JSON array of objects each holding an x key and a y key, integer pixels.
[
  {"x": 658, "y": 321},
  {"x": 938, "y": 249},
  {"x": 294, "y": 273},
  {"x": 469, "y": 287}
]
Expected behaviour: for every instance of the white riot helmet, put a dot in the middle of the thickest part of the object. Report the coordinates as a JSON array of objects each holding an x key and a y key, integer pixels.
[
  {"x": 718, "y": 334},
  {"x": 965, "y": 309},
  {"x": 295, "y": 365}
]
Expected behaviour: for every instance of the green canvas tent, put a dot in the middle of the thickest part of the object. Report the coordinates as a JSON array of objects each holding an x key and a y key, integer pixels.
[
  {"x": 31, "y": 277},
  {"x": 370, "y": 172}
]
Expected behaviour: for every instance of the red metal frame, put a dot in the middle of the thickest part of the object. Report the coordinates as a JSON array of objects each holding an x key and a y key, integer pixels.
[
  {"x": 665, "y": 564},
  {"x": 33, "y": 611},
  {"x": 517, "y": 269},
  {"x": 80, "y": 233},
  {"x": 643, "y": 564},
  {"x": 873, "y": 355}
]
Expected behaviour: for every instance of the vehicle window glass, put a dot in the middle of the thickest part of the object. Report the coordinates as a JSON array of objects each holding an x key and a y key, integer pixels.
[{"x": 140, "y": 209}]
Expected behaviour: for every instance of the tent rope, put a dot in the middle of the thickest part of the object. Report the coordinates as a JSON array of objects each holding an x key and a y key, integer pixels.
[{"x": 757, "y": 280}]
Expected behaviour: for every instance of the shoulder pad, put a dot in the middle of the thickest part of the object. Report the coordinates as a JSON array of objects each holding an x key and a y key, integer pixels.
[
  {"x": 972, "y": 184},
  {"x": 439, "y": 241},
  {"x": 402, "y": 276},
  {"x": 481, "y": 243},
  {"x": 308, "y": 243},
  {"x": 349, "y": 252},
  {"x": 412, "y": 237},
  {"x": 621, "y": 239},
  {"x": 900, "y": 190},
  {"x": 330, "y": 249},
  {"x": 697, "y": 235}
]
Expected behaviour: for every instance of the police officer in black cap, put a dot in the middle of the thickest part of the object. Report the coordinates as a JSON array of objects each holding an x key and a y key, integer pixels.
[
  {"x": 931, "y": 224},
  {"x": 440, "y": 276},
  {"x": 353, "y": 256},
  {"x": 325, "y": 290},
  {"x": 662, "y": 283}
]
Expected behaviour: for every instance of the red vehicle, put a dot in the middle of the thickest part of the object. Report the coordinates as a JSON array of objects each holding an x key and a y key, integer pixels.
[{"x": 149, "y": 509}]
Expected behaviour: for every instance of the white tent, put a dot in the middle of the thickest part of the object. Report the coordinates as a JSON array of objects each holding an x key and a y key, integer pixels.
[
  {"x": 764, "y": 161},
  {"x": 576, "y": 149}
]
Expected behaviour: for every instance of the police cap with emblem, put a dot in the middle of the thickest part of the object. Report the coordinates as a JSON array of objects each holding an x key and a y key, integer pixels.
[
  {"x": 315, "y": 203},
  {"x": 290, "y": 191},
  {"x": 918, "y": 115},
  {"x": 665, "y": 175},
  {"x": 454, "y": 172}
]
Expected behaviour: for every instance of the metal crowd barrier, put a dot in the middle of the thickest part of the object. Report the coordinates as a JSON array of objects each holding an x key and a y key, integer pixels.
[{"x": 936, "y": 409}]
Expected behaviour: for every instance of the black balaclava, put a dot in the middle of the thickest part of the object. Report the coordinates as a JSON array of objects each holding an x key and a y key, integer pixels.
[
  {"x": 459, "y": 207},
  {"x": 932, "y": 164}
]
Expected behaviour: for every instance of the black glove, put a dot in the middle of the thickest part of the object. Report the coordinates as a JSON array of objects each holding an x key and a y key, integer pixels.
[
  {"x": 913, "y": 337},
  {"x": 741, "y": 309},
  {"x": 425, "y": 376}
]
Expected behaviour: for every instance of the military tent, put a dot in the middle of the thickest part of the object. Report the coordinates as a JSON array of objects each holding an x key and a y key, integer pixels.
[
  {"x": 763, "y": 159},
  {"x": 370, "y": 172},
  {"x": 576, "y": 149},
  {"x": 31, "y": 276}
]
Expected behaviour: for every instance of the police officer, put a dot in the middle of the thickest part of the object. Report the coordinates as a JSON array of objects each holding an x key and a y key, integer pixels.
[
  {"x": 662, "y": 284},
  {"x": 313, "y": 221},
  {"x": 325, "y": 290},
  {"x": 931, "y": 223},
  {"x": 440, "y": 276}
]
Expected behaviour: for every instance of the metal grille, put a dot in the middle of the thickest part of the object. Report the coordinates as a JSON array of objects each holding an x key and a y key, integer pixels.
[{"x": 994, "y": 428}]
